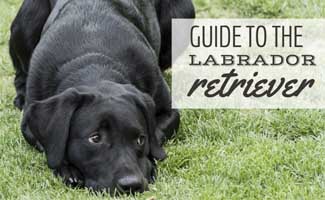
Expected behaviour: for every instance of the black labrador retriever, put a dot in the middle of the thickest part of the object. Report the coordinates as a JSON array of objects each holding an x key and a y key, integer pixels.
[{"x": 89, "y": 79}]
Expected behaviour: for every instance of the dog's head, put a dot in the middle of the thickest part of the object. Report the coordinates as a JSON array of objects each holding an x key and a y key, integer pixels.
[{"x": 108, "y": 135}]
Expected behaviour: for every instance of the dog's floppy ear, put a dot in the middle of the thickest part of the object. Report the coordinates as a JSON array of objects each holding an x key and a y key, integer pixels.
[
  {"x": 156, "y": 150},
  {"x": 166, "y": 11},
  {"x": 49, "y": 121},
  {"x": 148, "y": 108}
]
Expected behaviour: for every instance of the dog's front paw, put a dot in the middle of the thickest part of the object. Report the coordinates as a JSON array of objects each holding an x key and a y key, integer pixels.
[{"x": 71, "y": 176}]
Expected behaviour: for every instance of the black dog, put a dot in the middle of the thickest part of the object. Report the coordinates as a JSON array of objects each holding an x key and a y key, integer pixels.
[{"x": 89, "y": 79}]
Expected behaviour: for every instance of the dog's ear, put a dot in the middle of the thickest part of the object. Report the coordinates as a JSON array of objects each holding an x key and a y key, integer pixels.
[
  {"x": 166, "y": 11},
  {"x": 156, "y": 150},
  {"x": 147, "y": 106},
  {"x": 49, "y": 121}
]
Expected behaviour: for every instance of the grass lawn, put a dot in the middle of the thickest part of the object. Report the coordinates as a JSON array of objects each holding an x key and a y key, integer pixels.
[{"x": 218, "y": 154}]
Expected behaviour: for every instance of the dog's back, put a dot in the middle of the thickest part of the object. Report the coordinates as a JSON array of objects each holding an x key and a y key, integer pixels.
[{"x": 125, "y": 31}]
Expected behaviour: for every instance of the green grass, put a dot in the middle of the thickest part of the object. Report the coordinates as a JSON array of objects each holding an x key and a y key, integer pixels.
[{"x": 218, "y": 154}]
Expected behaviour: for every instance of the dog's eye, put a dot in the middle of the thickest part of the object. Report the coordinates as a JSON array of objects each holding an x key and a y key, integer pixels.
[
  {"x": 141, "y": 139},
  {"x": 95, "y": 138}
]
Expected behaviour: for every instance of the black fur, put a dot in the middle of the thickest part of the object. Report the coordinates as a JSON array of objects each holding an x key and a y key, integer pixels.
[{"x": 89, "y": 79}]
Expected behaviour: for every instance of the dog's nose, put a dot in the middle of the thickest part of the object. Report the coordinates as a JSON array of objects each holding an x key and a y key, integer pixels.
[{"x": 130, "y": 184}]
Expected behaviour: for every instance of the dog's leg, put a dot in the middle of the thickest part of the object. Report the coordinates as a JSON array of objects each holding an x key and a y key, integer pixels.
[
  {"x": 168, "y": 9},
  {"x": 25, "y": 34},
  {"x": 20, "y": 80}
]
